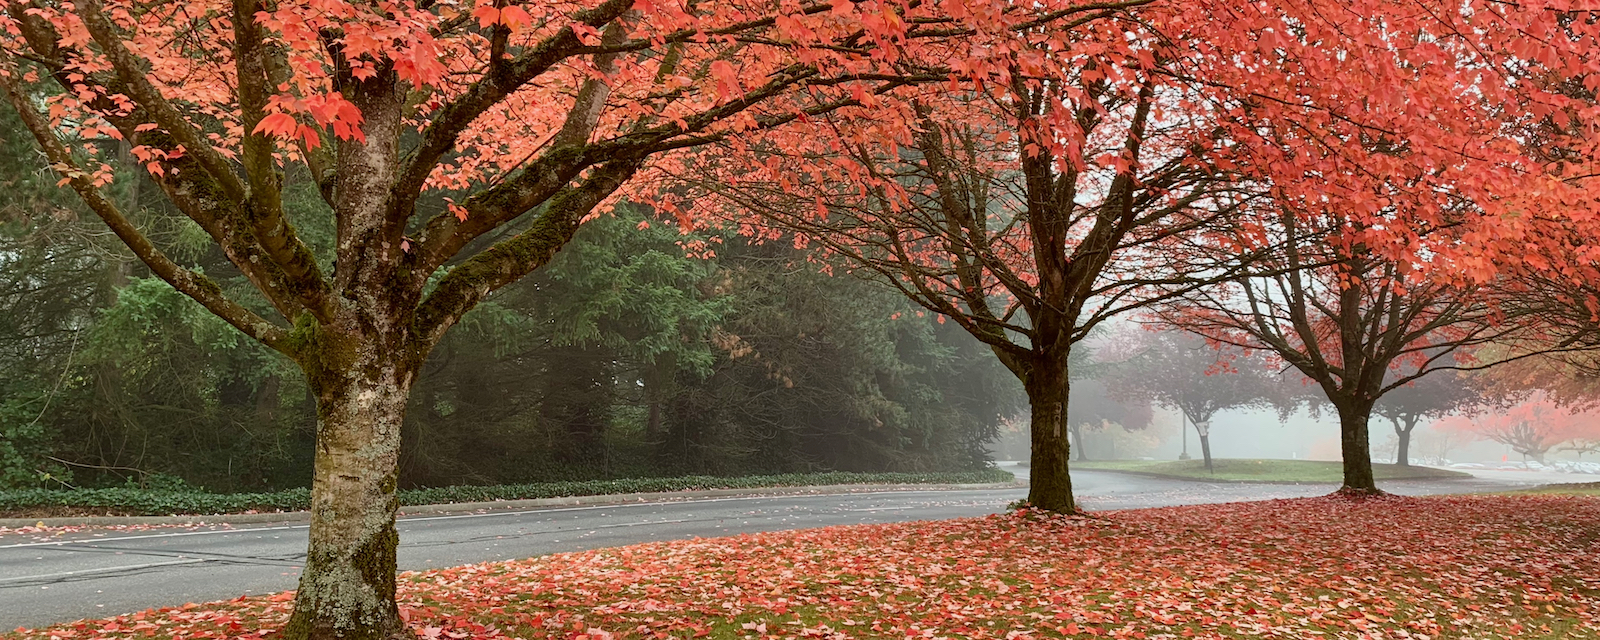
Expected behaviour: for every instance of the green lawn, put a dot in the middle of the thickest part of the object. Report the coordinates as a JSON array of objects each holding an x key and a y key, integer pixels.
[
  {"x": 1574, "y": 489},
  {"x": 1262, "y": 470}
]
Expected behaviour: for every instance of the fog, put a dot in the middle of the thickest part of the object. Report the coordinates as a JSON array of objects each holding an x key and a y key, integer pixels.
[{"x": 1257, "y": 433}]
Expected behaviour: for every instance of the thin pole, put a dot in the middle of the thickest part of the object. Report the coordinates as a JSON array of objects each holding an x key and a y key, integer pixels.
[{"x": 1185, "y": 429}]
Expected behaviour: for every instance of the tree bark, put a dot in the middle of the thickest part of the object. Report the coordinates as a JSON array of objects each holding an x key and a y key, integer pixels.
[
  {"x": 347, "y": 588},
  {"x": 658, "y": 375},
  {"x": 1050, "y": 487},
  {"x": 1205, "y": 450},
  {"x": 1402, "y": 455},
  {"x": 652, "y": 425},
  {"x": 1355, "y": 447},
  {"x": 1077, "y": 436},
  {"x": 267, "y": 400},
  {"x": 360, "y": 357}
]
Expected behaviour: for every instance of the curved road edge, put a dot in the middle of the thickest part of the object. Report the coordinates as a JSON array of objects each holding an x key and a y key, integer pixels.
[{"x": 502, "y": 505}]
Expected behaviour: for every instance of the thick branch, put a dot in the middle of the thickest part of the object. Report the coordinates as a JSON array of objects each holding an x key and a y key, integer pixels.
[
  {"x": 190, "y": 283},
  {"x": 466, "y": 285},
  {"x": 501, "y": 81},
  {"x": 136, "y": 82}
]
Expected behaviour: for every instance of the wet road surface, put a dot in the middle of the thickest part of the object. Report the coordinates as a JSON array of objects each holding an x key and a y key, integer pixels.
[{"x": 98, "y": 573}]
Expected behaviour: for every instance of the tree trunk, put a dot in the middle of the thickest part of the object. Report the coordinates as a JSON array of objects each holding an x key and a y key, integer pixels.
[
  {"x": 1402, "y": 455},
  {"x": 347, "y": 588},
  {"x": 652, "y": 425},
  {"x": 267, "y": 400},
  {"x": 1205, "y": 450},
  {"x": 657, "y": 377},
  {"x": 1050, "y": 487},
  {"x": 576, "y": 391},
  {"x": 1077, "y": 437},
  {"x": 1355, "y": 446}
]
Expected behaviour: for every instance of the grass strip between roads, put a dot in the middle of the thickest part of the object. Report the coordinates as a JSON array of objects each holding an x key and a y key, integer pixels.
[
  {"x": 1480, "y": 567},
  {"x": 1573, "y": 489},
  {"x": 1307, "y": 471},
  {"x": 30, "y": 503}
]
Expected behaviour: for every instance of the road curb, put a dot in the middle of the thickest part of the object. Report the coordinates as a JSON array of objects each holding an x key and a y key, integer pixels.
[
  {"x": 1146, "y": 474},
  {"x": 500, "y": 505}
]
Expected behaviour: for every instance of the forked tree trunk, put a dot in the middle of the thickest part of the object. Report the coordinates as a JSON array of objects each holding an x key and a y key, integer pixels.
[
  {"x": 347, "y": 588},
  {"x": 1050, "y": 487},
  {"x": 1355, "y": 447},
  {"x": 1402, "y": 454},
  {"x": 360, "y": 363}
]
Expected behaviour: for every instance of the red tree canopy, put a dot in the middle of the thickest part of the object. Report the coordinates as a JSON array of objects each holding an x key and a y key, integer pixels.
[
  {"x": 1397, "y": 126},
  {"x": 1531, "y": 423}
]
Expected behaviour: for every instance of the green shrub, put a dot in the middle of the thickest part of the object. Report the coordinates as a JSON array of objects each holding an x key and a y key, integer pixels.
[{"x": 134, "y": 501}]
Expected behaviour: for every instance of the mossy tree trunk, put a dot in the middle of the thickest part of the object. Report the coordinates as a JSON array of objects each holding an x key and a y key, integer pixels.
[
  {"x": 1355, "y": 445},
  {"x": 360, "y": 360},
  {"x": 1050, "y": 486},
  {"x": 347, "y": 588}
]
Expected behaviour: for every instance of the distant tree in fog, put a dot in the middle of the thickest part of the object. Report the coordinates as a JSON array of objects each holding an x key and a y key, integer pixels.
[
  {"x": 1422, "y": 400},
  {"x": 1180, "y": 370},
  {"x": 1093, "y": 407},
  {"x": 1531, "y": 423}
]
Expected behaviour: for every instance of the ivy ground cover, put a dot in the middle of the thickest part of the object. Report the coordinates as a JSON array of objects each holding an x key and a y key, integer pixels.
[{"x": 1475, "y": 567}]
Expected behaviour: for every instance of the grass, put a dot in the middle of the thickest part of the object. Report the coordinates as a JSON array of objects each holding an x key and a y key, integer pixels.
[
  {"x": 1480, "y": 567},
  {"x": 1263, "y": 470},
  {"x": 1565, "y": 489}
]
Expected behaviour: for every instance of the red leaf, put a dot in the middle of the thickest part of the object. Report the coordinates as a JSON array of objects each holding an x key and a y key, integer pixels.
[{"x": 276, "y": 125}]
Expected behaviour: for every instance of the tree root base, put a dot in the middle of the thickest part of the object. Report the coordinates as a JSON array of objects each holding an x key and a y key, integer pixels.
[{"x": 1355, "y": 493}]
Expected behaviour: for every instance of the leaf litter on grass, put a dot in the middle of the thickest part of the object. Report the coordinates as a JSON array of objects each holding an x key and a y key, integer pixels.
[{"x": 1465, "y": 567}]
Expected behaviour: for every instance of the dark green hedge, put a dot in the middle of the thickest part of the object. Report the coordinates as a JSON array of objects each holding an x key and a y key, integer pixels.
[{"x": 149, "y": 502}]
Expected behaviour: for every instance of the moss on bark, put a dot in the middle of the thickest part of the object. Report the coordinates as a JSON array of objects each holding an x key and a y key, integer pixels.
[{"x": 1050, "y": 485}]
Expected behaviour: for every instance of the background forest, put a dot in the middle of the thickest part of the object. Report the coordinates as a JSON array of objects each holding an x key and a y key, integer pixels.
[{"x": 663, "y": 355}]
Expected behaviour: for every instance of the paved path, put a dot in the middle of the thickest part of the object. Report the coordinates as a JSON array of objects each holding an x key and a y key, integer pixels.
[{"x": 97, "y": 574}]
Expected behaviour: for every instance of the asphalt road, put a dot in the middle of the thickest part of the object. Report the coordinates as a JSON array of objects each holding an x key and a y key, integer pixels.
[{"x": 98, "y": 574}]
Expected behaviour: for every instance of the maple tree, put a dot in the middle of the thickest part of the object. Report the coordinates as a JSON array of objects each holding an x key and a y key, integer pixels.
[
  {"x": 456, "y": 148},
  {"x": 1349, "y": 320},
  {"x": 520, "y": 120},
  {"x": 1581, "y": 446},
  {"x": 1180, "y": 370},
  {"x": 1467, "y": 171},
  {"x": 1048, "y": 198},
  {"x": 1038, "y": 201},
  {"x": 1531, "y": 423}
]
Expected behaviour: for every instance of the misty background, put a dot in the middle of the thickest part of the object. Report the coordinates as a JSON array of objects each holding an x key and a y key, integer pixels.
[{"x": 639, "y": 352}]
